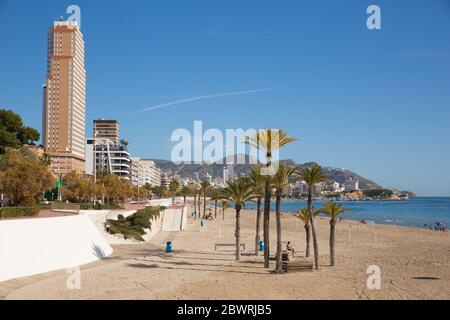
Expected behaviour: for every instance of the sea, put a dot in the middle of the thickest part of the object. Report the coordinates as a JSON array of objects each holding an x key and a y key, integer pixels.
[{"x": 415, "y": 212}]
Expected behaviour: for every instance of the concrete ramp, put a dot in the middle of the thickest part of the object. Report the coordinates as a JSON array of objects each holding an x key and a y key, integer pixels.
[
  {"x": 175, "y": 219},
  {"x": 32, "y": 246}
]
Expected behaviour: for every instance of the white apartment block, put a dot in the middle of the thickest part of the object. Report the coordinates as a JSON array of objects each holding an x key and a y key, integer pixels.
[
  {"x": 104, "y": 155},
  {"x": 145, "y": 171}
]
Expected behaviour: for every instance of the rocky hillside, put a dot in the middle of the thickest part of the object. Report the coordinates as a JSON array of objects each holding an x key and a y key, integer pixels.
[{"x": 216, "y": 170}]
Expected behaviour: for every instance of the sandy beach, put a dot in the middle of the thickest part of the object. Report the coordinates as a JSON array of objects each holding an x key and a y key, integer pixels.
[{"x": 414, "y": 264}]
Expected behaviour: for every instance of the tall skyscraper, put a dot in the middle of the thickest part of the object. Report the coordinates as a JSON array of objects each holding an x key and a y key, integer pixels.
[{"x": 64, "y": 99}]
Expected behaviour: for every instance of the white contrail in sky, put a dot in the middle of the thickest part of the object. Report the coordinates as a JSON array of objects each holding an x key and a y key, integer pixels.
[{"x": 223, "y": 94}]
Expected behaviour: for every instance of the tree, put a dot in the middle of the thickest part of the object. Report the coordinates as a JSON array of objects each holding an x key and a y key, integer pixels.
[
  {"x": 149, "y": 189},
  {"x": 257, "y": 184},
  {"x": 117, "y": 189},
  {"x": 198, "y": 194},
  {"x": 13, "y": 133},
  {"x": 204, "y": 187},
  {"x": 174, "y": 187},
  {"x": 280, "y": 181},
  {"x": 225, "y": 204},
  {"x": 239, "y": 191},
  {"x": 45, "y": 158},
  {"x": 72, "y": 187},
  {"x": 216, "y": 197},
  {"x": 159, "y": 191},
  {"x": 333, "y": 210},
  {"x": 194, "y": 194},
  {"x": 304, "y": 216},
  {"x": 312, "y": 175},
  {"x": 268, "y": 140},
  {"x": 123, "y": 142},
  {"x": 23, "y": 177},
  {"x": 185, "y": 192},
  {"x": 101, "y": 178}
]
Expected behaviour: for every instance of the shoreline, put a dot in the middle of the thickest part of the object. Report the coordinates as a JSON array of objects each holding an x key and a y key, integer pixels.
[{"x": 417, "y": 213}]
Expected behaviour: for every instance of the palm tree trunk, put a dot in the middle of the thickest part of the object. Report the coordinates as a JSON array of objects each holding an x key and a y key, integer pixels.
[
  {"x": 332, "y": 242},
  {"x": 199, "y": 206},
  {"x": 223, "y": 213},
  {"x": 313, "y": 228},
  {"x": 195, "y": 206},
  {"x": 267, "y": 194},
  {"x": 258, "y": 226},
  {"x": 204, "y": 205},
  {"x": 215, "y": 209},
  {"x": 278, "y": 268},
  {"x": 238, "y": 232},
  {"x": 308, "y": 240}
]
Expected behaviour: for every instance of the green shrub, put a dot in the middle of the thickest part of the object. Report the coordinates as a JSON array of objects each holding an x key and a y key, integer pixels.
[
  {"x": 98, "y": 206},
  {"x": 15, "y": 212},
  {"x": 133, "y": 226},
  {"x": 43, "y": 206}
]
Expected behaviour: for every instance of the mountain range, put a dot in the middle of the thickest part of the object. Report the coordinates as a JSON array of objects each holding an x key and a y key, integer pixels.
[{"x": 188, "y": 170}]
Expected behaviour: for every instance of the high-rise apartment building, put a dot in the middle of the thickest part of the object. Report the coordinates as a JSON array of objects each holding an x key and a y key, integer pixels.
[
  {"x": 64, "y": 99},
  {"x": 105, "y": 153},
  {"x": 145, "y": 171},
  {"x": 108, "y": 129},
  {"x": 152, "y": 173},
  {"x": 110, "y": 157}
]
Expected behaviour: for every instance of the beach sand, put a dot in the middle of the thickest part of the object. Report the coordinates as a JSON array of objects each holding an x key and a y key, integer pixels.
[{"x": 414, "y": 264}]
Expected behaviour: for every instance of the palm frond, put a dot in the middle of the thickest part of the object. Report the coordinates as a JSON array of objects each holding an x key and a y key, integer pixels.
[
  {"x": 281, "y": 177},
  {"x": 239, "y": 191},
  {"x": 333, "y": 209},
  {"x": 268, "y": 140},
  {"x": 312, "y": 174}
]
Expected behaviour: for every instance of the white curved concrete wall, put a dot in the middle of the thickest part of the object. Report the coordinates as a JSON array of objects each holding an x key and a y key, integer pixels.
[
  {"x": 32, "y": 246},
  {"x": 174, "y": 219}
]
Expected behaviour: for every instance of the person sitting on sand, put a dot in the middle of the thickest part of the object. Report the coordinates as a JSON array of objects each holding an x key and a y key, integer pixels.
[{"x": 290, "y": 249}]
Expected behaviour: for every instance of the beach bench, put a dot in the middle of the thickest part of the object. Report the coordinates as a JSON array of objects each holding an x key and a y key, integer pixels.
[
  {"x": 228, "y": 246},
  {"x": 290, "y": 265}
]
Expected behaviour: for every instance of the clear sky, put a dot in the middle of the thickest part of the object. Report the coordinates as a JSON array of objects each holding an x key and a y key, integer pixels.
[{"x": 376, "y": 102}]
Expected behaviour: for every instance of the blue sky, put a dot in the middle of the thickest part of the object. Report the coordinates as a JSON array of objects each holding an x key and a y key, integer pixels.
[{"x": 376, "y": 102}]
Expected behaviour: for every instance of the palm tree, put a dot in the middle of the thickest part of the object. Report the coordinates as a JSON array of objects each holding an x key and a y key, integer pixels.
[
  {"x": 204, "y": 187},
  {"x": 185, "y": 192},
  {"x": 123, "y": 142},
  {"x": 194, "y": 194},
  {"x": 239, "y": 191},
  {"x": 304, "y": 216},
  {"x": 268, "y": 140},
  {"x": 199, "y": 194},
  {"x": 225, "y": 204},
  {"x": 312, "y": 175},
  {"x": 257, "y": 183},
  {"x": 280, "y": 181},
  {"x": 216, "y": 197},
  {"x": 333, "y": 210},
  {"x": 174, "y": 187}
]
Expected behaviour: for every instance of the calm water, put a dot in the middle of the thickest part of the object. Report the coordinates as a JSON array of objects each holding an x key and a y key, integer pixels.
[{"x": 412, "y": 213}]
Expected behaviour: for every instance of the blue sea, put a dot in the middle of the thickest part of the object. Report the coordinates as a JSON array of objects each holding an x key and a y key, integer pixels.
[{"x": 411, "y": 213}]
